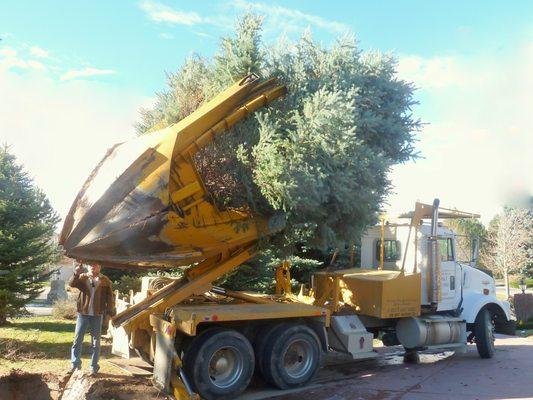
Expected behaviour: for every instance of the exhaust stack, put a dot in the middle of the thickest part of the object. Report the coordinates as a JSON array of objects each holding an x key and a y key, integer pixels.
[{"x": 434, "y": 255}]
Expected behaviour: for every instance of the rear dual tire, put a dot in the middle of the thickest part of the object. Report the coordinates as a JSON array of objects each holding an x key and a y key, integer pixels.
[
  {"x": 289, "y": 355},
  {"x": 219, "y": 363}
]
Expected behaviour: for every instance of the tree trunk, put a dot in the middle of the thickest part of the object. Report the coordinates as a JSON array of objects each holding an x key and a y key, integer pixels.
[{"x": 507, "y": 289}]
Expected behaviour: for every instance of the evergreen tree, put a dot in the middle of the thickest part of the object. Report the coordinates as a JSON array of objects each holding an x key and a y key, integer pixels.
[
  {"x": 27, "y": 245},
  {"x": 320, "y": 155}
]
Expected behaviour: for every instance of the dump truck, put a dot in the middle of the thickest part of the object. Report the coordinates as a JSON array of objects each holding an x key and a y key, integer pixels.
[{"x": 146, "y": 206}]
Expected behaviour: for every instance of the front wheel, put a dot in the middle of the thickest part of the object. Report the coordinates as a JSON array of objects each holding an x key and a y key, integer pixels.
[{"x": 484, "y": 333}]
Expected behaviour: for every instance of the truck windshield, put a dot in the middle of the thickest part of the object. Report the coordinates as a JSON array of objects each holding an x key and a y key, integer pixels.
[
  {"x": 391, "y": 250},
  {"x": 446, "y": 249}
]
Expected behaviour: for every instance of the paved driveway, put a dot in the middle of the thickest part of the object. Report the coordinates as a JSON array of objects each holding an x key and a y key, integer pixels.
[{"x": 509, "y": 375}]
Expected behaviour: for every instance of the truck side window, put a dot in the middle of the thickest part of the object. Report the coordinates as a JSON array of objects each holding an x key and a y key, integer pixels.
[
  {"x": 392, "y": 250},
  {"x": 446, "y": 249}
]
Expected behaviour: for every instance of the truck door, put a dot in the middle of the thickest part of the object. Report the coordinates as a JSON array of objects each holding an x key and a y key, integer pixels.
[{"x": 450, "y": 278}]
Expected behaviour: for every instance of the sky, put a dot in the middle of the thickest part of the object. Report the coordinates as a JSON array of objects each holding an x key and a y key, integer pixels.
[{"x": 73, "y": 76}]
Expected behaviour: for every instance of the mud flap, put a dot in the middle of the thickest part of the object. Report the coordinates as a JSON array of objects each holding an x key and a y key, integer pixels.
[
  {"x": 168, "y": 374},
  {"x": 164, "y": 352},
  {"x": 121, "y": 342}
]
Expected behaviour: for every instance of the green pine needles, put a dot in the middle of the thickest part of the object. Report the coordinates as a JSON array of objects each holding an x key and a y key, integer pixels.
[
  {"x": 27, "y": 245},
  {"x": 322, "y": 154}
]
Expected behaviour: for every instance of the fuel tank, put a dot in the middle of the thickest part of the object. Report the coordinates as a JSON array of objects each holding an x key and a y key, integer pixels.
[{"x": 417, "y": 332}]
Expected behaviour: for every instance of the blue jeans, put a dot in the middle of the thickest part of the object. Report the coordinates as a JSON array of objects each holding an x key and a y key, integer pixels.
[{"x": 94, "y": 324}]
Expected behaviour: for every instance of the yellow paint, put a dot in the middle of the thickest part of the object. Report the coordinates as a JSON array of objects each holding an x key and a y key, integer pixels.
[
  {"x": 198, "y": 284},
  {"x": 283, "y": 278},
  {"x": 186, "y": 192},
  {"x": 382, "y": 294},
  {"x": 188, "y": 317},
  {"x": 160, "y": 168}
]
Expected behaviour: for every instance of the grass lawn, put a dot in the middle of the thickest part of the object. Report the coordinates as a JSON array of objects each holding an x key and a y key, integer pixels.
[
  {"x": 525, "y": 332},
  {"x": 42, "y": 345}
]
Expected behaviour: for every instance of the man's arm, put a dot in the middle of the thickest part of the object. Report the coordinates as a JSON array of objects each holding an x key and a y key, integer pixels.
[{"x": 74, "y": 280}]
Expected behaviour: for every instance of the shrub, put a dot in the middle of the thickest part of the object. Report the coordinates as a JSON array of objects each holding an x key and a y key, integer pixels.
[
  {"x": 127, "y": 283},
  {"x": 64, "y": 309},
  {"x": 522, "y": 325},
  {"x": 515, "y": 283}
]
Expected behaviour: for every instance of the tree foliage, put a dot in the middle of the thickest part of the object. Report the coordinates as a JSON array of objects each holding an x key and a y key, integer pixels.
[
  {"x": 510, "y": 236},
  {"x": 468, "y": 230},
  {"x": 322, "y": 154},
  {"x": 27, "y": 246}
]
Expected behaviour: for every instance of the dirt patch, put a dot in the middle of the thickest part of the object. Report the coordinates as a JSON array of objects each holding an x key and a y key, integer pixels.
[
  {"x": 129, "y": 388},
  {"x": 14, "y": 350},
  {"x": 19, "y": 385}
]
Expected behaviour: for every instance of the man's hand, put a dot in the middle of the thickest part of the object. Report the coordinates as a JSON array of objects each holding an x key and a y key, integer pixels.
[{"x": 78, "y": 270}]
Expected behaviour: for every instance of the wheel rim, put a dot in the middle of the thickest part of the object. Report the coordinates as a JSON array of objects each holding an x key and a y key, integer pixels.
[
  {"x": 225, "y": 367},
  {"x": 298, "y": 358}
]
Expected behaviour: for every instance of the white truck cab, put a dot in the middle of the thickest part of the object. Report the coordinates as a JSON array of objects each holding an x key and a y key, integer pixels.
[{"x": 451, "y": 286}]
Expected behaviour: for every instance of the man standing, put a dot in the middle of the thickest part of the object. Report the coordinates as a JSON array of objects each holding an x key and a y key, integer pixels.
[{"x": 94, "y": 301}]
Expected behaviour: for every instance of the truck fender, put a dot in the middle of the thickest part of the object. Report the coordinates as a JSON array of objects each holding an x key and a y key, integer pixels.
[{"x": 474, "y": 302}]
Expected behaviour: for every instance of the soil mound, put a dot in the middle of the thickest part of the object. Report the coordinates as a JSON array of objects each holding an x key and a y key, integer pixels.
[{"x": 20, "y": 385}]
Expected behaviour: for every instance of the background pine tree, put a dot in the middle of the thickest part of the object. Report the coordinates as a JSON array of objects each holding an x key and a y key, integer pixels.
[{"x": 27, "y": 245}]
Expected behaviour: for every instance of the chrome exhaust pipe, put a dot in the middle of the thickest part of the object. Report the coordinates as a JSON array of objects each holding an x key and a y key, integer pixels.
[{"x": 434, "y": 254}]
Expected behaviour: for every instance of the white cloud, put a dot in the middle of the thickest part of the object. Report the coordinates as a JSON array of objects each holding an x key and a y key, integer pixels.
[
  {"x": 477, "y": 146},
  {"x": 8, "y": 52},
  {"x": 9, "y": 59},
  {"x": 36, "y": 65},
  {"x": 166, "y": 36},
  {"x": 161, "y": 13},
  {"x": 278, "y": 18},
  {"x": 60, "y": 130},
  {"x": 287, "y": 18},
  {"x": 39, "y": 52},
  {"x": 22, "y": 56},
  {"x": 85, "y": 73}
]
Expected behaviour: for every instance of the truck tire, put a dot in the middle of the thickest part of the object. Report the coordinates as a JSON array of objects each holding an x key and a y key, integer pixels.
[
  {"x": 260, "y": 342},
  {"x": 219, "y": 364},
  {"x": 291, "y": 356},
  {"x": 484, "y": 333}
]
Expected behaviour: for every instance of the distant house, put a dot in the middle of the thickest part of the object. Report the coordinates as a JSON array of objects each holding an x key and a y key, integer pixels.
[{"x": 64, "y": 267}]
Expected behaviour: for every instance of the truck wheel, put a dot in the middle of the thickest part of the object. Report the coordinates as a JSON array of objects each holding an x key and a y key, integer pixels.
[
  {"x": 484, "y": 332},
  {"x": 260, "y": 342},
  {"x": 219, "y": 364},
  {"x": 291, "y": 356}
]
